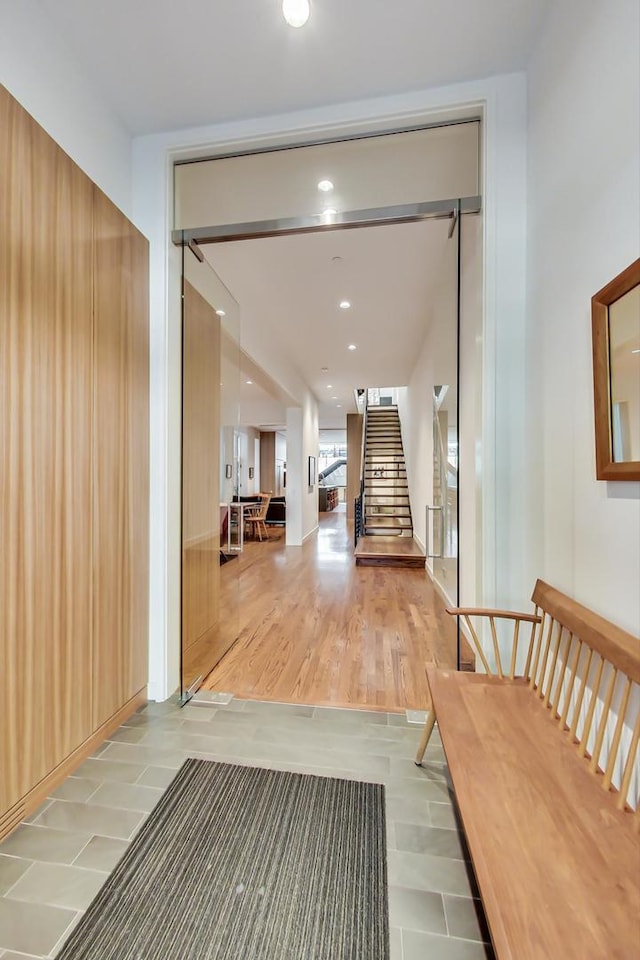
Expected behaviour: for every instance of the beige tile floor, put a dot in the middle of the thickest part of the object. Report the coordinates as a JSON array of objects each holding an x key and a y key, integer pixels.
[{"x": 53, "y": 865}]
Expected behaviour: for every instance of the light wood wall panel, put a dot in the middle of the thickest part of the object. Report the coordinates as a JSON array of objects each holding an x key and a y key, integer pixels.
[
  {"x": 45, "y": 447},
  {"x": 121, "y": 459},
  {"x": 73, "y": 464},
  {"x": 355, "y": 426},
  {"x": 268, "y": 462},
  {"x": 201, "y": 634}
]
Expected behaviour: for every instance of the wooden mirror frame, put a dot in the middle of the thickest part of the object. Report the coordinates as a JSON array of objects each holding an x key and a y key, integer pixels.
[{"x": 606, "y": 467}]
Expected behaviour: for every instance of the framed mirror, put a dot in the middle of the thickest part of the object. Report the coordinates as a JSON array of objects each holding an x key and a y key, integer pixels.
[{"x": 615, "y": 318}]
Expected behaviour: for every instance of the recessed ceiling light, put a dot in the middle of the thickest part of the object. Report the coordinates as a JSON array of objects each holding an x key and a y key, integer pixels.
[
  {"x": 325, "y": 186},
  {"x": 296, "y": 12},
  {"x": 221, "y": 313},
  {"x": 352, "y": 346},
  {"x": 338, "y": 404},
  {"x": 249, "y": 382},
  {"x": 345, "y": 305},
  {"x": 334, "y": 398},
  {"x": 329, "y": 386}
]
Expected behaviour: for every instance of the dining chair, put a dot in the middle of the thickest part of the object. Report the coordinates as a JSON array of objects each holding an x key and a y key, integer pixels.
[{"x": 255, "y": 516}]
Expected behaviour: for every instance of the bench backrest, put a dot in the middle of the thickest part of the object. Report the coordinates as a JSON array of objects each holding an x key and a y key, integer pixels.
[{"x": 586, "y": 672}]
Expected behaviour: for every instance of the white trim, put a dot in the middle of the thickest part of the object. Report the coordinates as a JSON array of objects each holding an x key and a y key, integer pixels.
[
  {"x": 502, "y": 103},
  {"x": 311, "y": 533}
]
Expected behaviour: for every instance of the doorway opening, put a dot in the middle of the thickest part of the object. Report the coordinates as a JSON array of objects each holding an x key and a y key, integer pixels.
[{"x": 231, "y": 260}]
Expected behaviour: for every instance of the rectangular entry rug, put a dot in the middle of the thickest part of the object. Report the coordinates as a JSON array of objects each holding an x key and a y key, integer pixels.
[{"x": 241, "y": 863}]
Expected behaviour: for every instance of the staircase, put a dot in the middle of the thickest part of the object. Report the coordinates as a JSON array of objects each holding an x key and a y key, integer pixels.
[
  {"x": 387, "y": 528},
  {"x": 386, "y": 493}
]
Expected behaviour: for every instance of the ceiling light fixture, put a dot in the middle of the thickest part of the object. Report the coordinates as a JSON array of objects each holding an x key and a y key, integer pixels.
[
  {"x": 249, "y": 382},
  {"x": 338, "y": 404},
  {"x": 296, "y": 12},
  {"x": 325, "y": 186},
  {"x": 329, "y": 386},
  {"x": 345, "y": 305},
  {"x": 635, "y": 351},
  {"x": 325, "y": 369},
  {"x": 352, "y": 346},
  {"x": 221, "y": 313}
]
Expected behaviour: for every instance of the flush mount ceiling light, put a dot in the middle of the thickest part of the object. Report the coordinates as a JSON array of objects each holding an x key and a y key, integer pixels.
[
  {"x": 296, "y": 12},
  {"x": 221, "y": 313},
  {"x": 249, "y": 382},
  {"x": 325, "y": 186},
  {"x": 352, "y": 346},
  {"x": 345, "y": 305},
  {"x": 329, "y": 386}
]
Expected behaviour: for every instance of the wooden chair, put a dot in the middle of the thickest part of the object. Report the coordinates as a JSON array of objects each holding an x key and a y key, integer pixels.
[{"x": 255, "y": 516}]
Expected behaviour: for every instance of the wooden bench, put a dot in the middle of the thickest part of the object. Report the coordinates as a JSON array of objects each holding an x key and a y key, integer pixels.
[{"x": 542, "y": 751}]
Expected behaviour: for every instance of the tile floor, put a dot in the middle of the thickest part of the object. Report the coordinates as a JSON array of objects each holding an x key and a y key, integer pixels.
[{"x": 52, "y": 866}]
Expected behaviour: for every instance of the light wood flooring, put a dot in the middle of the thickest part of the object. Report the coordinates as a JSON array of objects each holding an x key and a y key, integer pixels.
[{"x": 317, "y": 629}]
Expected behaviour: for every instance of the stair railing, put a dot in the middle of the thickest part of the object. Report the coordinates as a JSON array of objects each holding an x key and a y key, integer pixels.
[{"x": 359, "y": 508}]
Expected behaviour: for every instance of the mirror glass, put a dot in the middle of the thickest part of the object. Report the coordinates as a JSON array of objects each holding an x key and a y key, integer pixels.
[{"x": 624, "y": 359}]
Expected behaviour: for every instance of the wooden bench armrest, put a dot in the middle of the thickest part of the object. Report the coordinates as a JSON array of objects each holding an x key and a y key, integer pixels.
[
  {"x": 485, "y": 612},
  {"x": 492, "y": 616}
]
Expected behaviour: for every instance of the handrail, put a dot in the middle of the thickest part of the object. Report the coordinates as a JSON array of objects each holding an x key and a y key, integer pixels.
[{"x": 358, "y": 516}]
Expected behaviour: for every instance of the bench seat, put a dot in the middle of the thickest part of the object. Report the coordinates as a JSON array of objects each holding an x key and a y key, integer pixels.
[{"x": 556, "y": 862}]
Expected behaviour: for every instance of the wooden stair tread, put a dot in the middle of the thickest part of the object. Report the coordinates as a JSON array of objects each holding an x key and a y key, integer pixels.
[{"x": 389, "y": 552}]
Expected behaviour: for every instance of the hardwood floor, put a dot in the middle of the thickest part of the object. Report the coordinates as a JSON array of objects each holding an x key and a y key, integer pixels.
[{"x": 317, "y": 629}]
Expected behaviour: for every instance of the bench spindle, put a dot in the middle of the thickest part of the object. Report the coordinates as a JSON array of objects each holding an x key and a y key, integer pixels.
[
  {"x": 514, "y": 651},
  {"x": 617, "y": 735},
  {"x": 537, "y": 680},
  {"x": 573, "y": 732},
  {"x": 571, "y": 684},
  {"x": 586, "y": 730},
  {"x": 496, "y": 647},
  {"x": 629, "y": 766},
  {"x": 602, "y": 726}
]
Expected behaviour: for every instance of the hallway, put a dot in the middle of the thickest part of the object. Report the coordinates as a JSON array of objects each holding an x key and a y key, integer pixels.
[{"x": 316, "y": 629}]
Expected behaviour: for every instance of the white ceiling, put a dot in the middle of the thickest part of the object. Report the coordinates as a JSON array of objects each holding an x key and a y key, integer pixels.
[
  {"x": 165, "y": 65},
  {"x": 289, "y": 289}
]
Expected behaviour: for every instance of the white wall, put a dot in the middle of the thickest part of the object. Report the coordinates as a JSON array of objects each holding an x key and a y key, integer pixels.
[
  {"x": 302, "y": 443},
  {"x": 39, "y": 69},
  {"x": 584, "y": 228},
  {"x": 247, "y": 437}
]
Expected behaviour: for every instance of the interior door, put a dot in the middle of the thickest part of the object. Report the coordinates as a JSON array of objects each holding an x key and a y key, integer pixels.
[
  {"x": 443, "y": 510},
  {"x": 210, "y": 417}
]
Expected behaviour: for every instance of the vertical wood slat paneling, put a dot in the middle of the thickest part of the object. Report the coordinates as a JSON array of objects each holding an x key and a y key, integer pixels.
[
  {"x": 45, "y": 445},
  {"x": 60, "y": 677},
  {"x": 203, "y": 640},
  {"x": 121, "y": 459}
]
